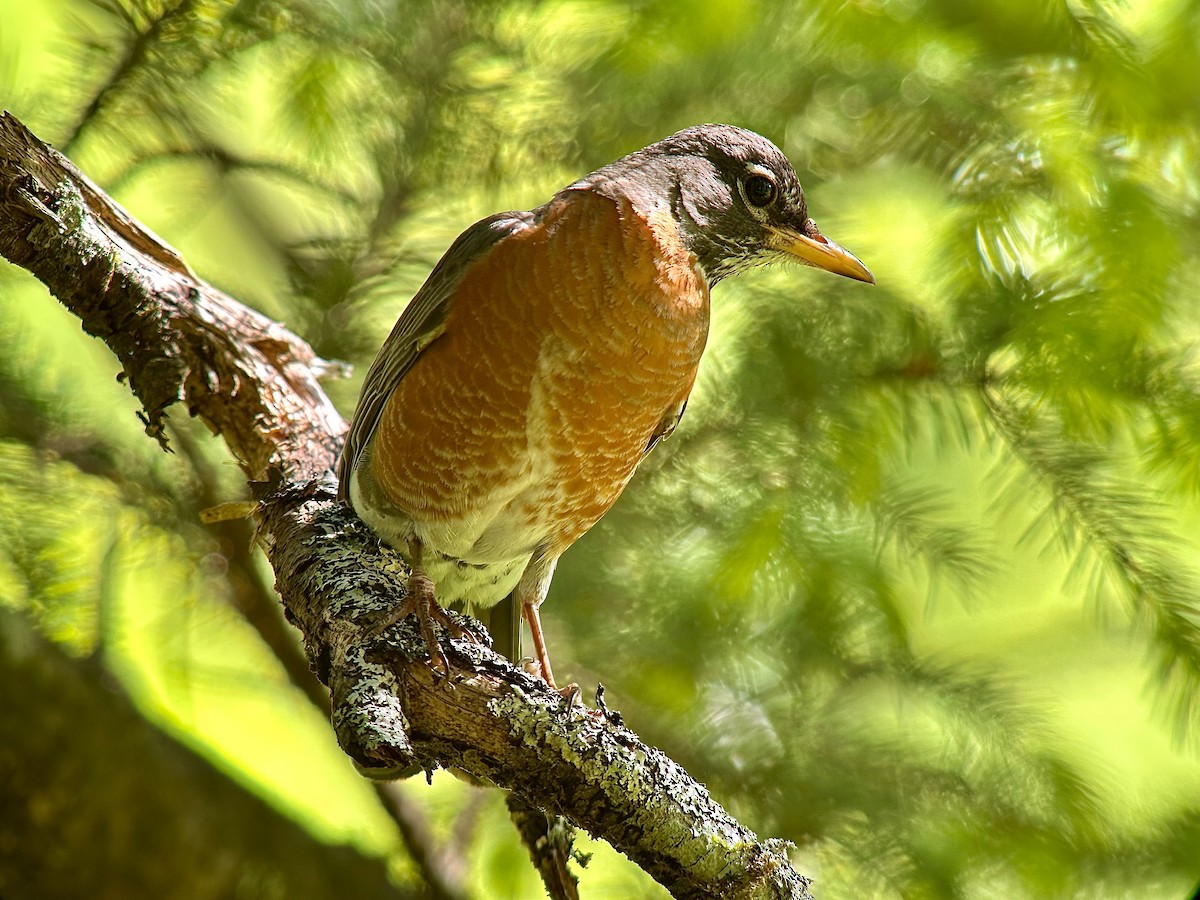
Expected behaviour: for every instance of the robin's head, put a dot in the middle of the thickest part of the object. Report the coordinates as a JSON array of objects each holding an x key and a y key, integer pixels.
[{"x": 735, "y": 197}]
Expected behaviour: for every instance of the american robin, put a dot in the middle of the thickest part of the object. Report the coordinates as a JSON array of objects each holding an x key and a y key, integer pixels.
[{"x": 548, "y": 352}]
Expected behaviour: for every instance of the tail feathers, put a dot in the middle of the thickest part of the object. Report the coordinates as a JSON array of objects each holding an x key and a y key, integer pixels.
[{"x": 503, "y": 622}]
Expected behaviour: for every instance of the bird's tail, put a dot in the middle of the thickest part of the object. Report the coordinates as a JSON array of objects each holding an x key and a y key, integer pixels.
[{"x": 503, "y": 622}]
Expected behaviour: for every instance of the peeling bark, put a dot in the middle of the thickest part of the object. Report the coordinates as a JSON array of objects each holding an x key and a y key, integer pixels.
[{"x": 256, "y": 384}]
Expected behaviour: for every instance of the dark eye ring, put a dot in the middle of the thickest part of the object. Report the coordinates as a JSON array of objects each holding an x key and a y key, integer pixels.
[{"x": 760, "y": 191}]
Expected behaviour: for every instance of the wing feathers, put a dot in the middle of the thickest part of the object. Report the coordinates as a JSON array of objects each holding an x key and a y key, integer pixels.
[{"x": 418, "y": 326}]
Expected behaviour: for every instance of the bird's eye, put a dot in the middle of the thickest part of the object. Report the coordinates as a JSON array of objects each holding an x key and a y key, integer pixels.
[{"x": 760, "y": 191}]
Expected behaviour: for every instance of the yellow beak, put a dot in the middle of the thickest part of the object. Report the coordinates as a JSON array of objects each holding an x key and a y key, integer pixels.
[{"x": 819, "y": 251}]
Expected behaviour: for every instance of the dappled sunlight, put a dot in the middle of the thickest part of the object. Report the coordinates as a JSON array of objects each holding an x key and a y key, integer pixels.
[{"x": 913, "y": 585}]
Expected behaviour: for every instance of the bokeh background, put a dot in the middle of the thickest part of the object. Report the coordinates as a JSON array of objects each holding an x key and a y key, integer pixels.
[{"x": 913, "y": 586}]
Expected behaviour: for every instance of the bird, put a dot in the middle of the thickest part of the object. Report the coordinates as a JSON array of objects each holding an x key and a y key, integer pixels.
[{"x": 548, "y": 352}]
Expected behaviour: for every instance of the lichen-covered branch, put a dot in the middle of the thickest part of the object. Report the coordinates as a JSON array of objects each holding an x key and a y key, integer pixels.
[
  {"x": 495, "y": 722},
  {"x": 181, "y": 341}
]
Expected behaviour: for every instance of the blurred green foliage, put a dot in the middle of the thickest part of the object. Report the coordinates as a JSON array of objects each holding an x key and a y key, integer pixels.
[{"x": 913, "y": 584}]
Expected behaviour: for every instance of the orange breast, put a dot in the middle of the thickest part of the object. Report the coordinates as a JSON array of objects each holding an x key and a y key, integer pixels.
[{"x": 564, "y": 347}]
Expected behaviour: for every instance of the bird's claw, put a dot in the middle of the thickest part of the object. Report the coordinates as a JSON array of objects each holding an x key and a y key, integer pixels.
[
  {"x": 573, "y": 694},
  {"x": 421, "y": 602}
]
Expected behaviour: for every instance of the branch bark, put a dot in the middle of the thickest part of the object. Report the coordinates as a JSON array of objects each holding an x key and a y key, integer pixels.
[{"x": 250, "y": 380}]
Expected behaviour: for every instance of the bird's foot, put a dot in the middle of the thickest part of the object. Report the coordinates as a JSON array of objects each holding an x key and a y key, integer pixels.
[
  {"x": 421, "y": 602},
  {"x": 572, "y": 693}
]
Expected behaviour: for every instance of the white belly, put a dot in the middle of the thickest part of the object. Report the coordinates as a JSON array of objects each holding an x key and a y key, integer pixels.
[{"x": 469, "y": 560}]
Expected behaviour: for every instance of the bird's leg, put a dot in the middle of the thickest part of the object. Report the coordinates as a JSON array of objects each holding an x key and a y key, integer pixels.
[
  {"x": 421, "y": 601},
  {"x": 529, "y": 609},
  {"x": 571, "y": 693},
  {"x": 531, "y": 591}
]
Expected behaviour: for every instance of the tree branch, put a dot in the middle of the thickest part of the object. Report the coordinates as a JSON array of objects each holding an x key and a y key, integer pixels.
[{"x": 255, "y": 383}]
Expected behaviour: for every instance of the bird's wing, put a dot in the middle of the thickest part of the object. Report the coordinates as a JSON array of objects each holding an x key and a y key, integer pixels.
[
  {"x": 667, "y": 425},
  {"x": 418, "y": 326}
]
